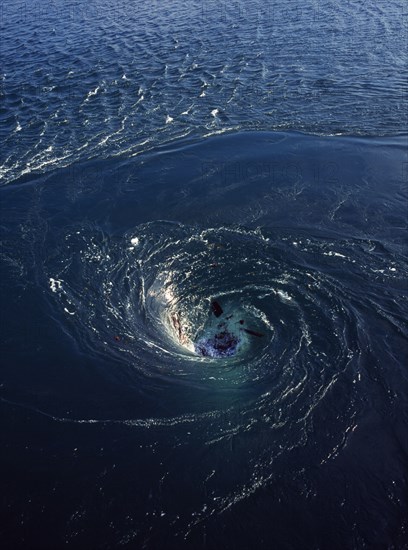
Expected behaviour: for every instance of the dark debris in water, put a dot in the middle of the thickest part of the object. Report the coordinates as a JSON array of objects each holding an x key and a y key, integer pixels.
[
  {"x": 216, "y": 308},
  {"x": 223, "y": 344},
  {"x": 253, "y": 332}
]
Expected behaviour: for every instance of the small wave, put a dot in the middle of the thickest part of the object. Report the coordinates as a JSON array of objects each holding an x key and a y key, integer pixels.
[{"x": 92, "y": 93}]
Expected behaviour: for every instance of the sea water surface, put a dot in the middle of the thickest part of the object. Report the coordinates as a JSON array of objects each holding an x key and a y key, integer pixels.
[{"x": 157, "y": 157}]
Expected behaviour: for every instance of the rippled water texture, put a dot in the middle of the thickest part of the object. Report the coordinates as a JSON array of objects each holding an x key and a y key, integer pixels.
[
  {"x": 180, "y": 181},
  {"x": 98, "y": 79}
]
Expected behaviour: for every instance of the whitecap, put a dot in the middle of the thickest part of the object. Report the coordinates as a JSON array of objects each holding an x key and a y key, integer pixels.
[
  {"x": 332, "y": 253},
  {"x": 92, "y": 93},
  {"x": 55, "y": 285}
]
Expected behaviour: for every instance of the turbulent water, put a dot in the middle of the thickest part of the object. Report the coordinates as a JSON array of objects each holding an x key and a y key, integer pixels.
[{"x": 172, "y": 171}]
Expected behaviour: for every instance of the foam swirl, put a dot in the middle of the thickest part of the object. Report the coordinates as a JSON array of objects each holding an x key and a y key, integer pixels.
[{"x": 306, "y": 295}]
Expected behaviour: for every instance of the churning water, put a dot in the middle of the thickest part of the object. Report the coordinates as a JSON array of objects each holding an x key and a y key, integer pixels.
[{"x": 204, "y": 275}]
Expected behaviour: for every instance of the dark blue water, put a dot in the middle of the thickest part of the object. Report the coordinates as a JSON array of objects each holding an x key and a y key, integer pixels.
[{"x": 157, "y": 157}]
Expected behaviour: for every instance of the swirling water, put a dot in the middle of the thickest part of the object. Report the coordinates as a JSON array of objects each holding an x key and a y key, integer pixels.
[{"x": 161, "y": 156}]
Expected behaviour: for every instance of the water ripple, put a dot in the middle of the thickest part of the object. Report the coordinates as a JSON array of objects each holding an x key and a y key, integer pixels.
[{"x": 257, "y": 66}]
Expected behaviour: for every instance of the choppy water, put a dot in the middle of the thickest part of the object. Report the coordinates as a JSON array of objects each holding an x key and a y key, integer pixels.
[
  {"x": 97, "y": 79},
  {"x": 158, "y": 157}
]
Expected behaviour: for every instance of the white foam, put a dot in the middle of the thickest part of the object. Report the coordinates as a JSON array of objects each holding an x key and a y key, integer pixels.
[
  {"x": 188, "y": 111},
  {"x": 331, "y": 253},
  {"x": 284, "y": 295},
  {"x": 92, "y": 93},
  {"x": 55, "y": 285},
  {"x": 220, "y": 131}
]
